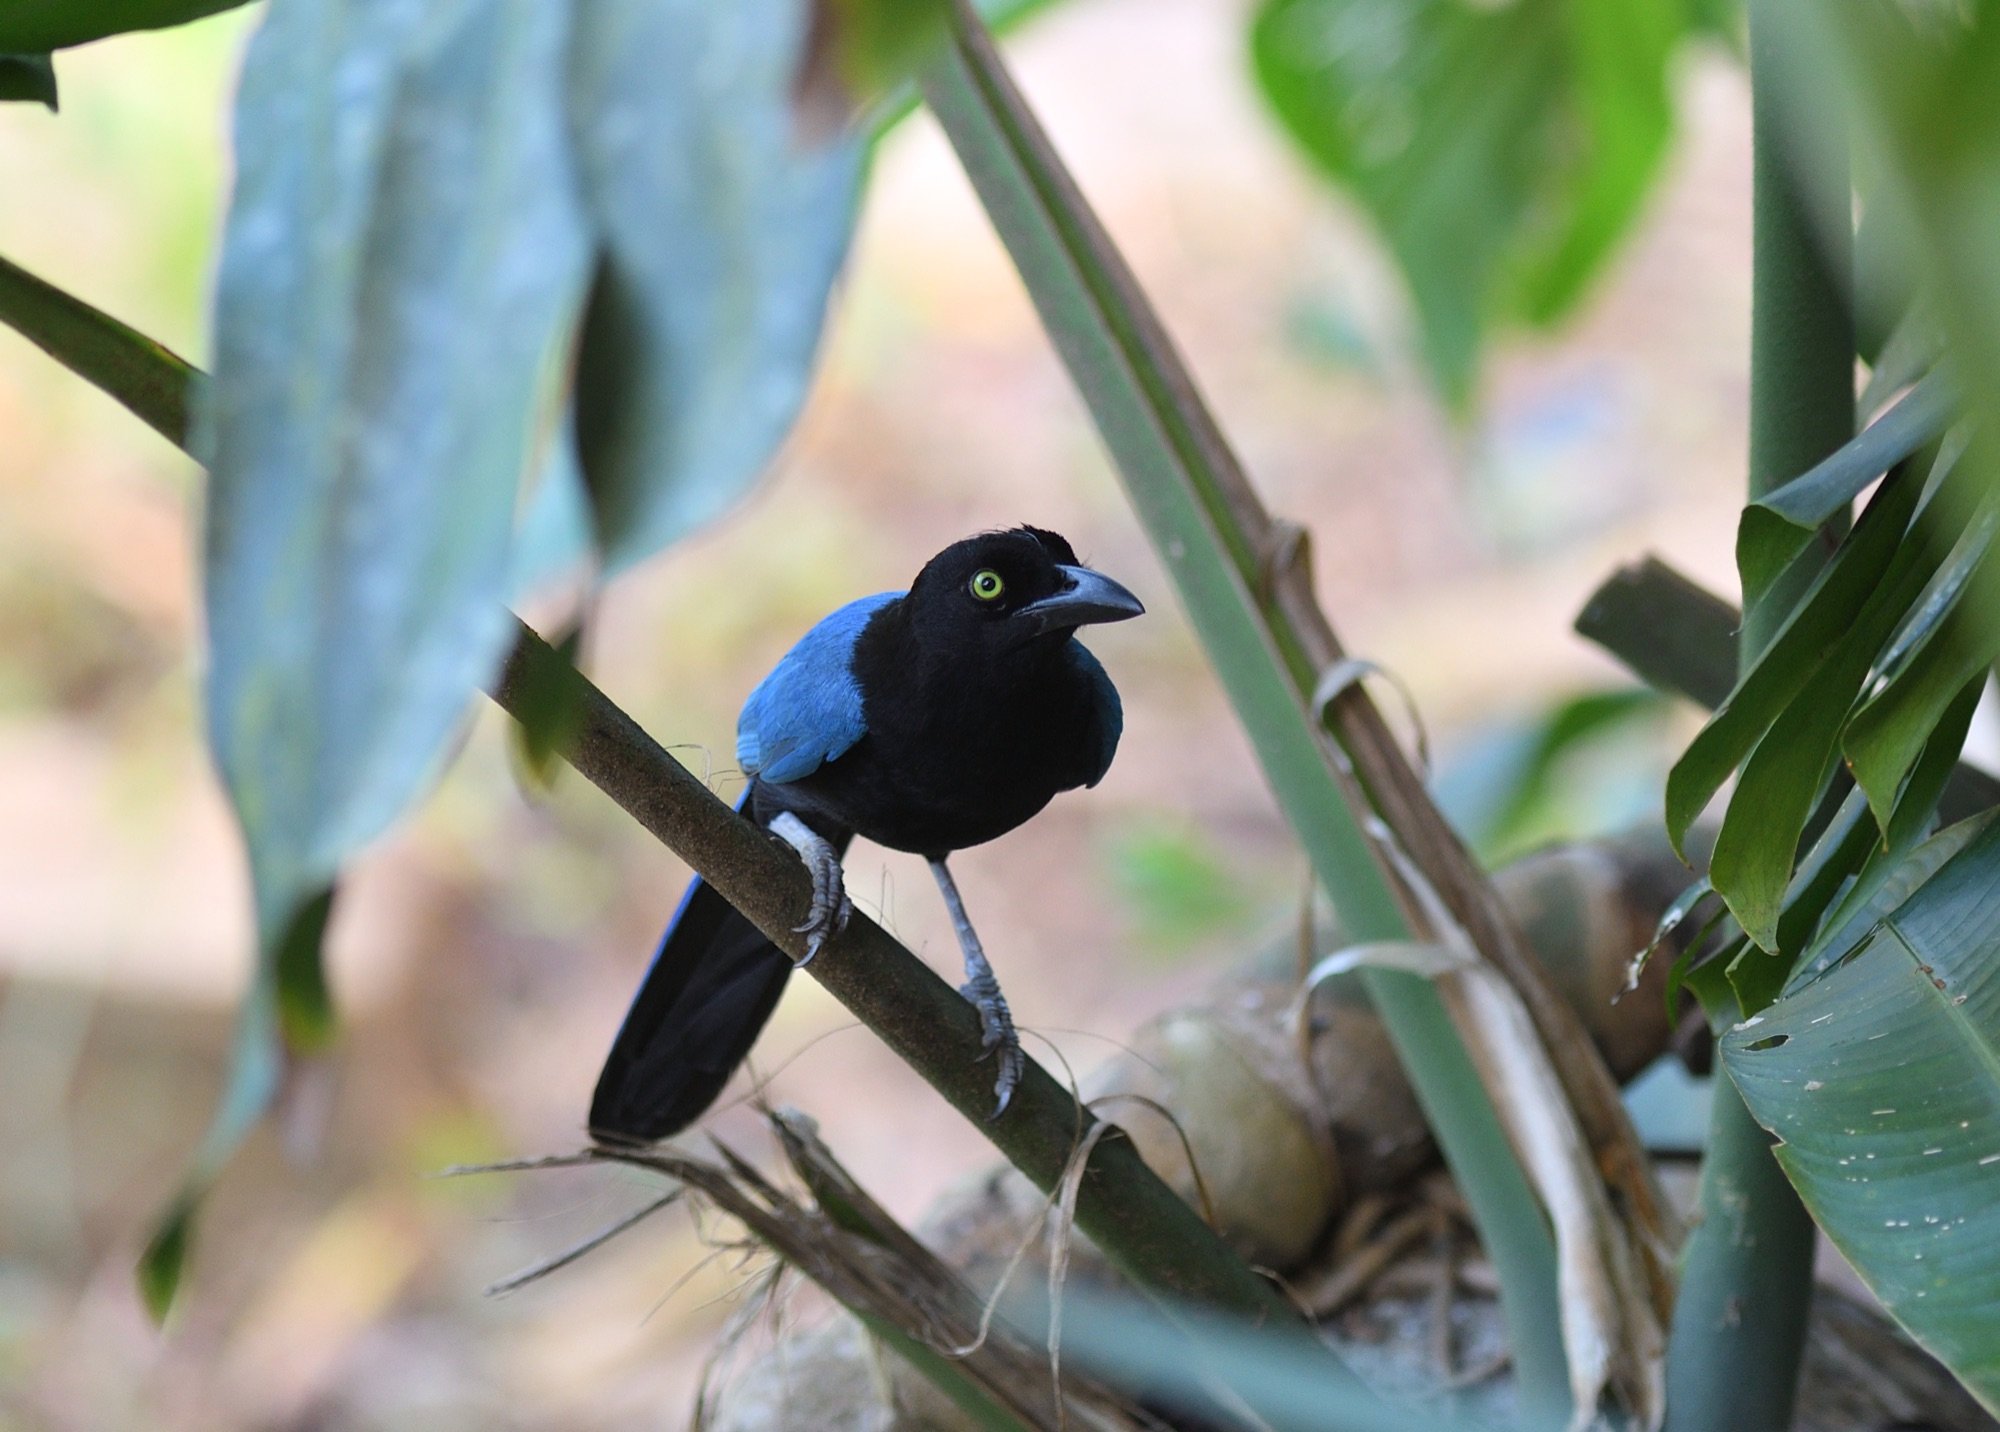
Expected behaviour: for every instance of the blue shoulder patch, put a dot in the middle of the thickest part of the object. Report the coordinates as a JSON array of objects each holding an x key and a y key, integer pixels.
[
  {"x": 808, "y": 710},
  {"x": 1110, "y": 710}
]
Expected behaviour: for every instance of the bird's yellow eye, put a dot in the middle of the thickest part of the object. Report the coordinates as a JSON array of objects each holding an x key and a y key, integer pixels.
[{"x": 986, "y": 585}]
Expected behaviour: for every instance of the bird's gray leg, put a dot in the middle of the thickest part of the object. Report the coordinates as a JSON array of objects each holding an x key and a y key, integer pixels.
[
  {"x": 830, "y": 908},
  {"x": 995, "y": 1020}
]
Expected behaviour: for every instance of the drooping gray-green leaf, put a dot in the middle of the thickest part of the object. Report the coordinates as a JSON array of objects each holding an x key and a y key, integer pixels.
[
  {"x": 43, "y": 25},
  {"x": 1776, "y": 528},
  {"x": 28, "y": 77},
  {"x": 154, "y": 383},
  {"x": 401, "y": 253},
  {"x": 1881, "y": 1079},
  {"x": 285, "y": 1006},
  {"x": 723, "y": 226},
  {"x": 1502, "y": 150}
]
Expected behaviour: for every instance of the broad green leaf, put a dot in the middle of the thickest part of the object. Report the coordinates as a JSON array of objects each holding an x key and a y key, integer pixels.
[
  {"x": 1785, "y": 774},
  {"x": 42, "y": 25},
  {"x": 1904, "y": 859},
  {"x": 400, "y": 255},
  {"x": 1758, "y": 971},
  {"x": 1881, "y": 1079},
  {"x": 1890, "y": 731},
  {"x": 1819, "y": 626},
  {"x": 722, "y": 229},
  {"x": 28, "y": 77},
  {"x": 1776, "y": 528},
  {"x": 1501, "y": 150},
  {"x": 152, "y": 382},
  {"x": 1968, "y": 554},
  {"x": 1706, "y": 977}
]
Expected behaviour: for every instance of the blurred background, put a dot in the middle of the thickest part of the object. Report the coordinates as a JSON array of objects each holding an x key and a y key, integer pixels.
[{"x": 483, "y": 954}]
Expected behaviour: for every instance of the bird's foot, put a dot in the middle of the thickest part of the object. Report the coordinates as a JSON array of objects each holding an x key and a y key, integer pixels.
[
  {"x": 997, "y": 1036},
  {"x": 830, "y": 908}
]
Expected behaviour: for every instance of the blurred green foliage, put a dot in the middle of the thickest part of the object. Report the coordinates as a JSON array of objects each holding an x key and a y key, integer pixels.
[
  {"x": 1501, "y": 151},
  {"x": 1176, "y": 886}
]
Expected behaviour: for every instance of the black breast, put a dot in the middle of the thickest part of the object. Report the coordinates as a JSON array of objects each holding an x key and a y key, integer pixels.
[{"x": 960, "y": 747}]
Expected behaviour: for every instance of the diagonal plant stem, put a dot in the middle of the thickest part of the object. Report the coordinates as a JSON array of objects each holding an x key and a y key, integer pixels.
[
  {"x": 1142, "y": 1225},
  {"x": 1393, "y": 866},
  {"x": 1739, "y": 1330},
  {"x": 146, "y": 377}
]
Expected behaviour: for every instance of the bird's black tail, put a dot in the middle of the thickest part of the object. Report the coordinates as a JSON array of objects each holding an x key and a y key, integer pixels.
[{"x": 711, "y": 987}]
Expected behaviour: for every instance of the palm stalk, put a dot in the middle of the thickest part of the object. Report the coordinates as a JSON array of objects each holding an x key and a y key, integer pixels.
[{"x": 1740, "y": 1326}]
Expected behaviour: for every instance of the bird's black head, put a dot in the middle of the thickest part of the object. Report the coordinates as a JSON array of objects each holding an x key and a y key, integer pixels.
[{"x": 1009, "y": 588}]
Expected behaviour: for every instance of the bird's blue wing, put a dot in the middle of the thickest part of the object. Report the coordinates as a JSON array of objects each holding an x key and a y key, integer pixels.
[
  {"x": 808, "y": 710},
  {"x": 1110, "y": 710}
]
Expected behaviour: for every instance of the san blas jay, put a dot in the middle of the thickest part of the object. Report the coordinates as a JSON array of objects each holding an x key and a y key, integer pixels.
[{"x": 926, "y": 721}]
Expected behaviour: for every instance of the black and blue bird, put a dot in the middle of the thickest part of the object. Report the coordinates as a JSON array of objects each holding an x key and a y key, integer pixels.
[{"x": 926, "y": 721}]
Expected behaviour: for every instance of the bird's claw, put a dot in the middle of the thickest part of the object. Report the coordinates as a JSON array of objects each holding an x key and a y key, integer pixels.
[
  {"x": 830, "y": 910},
  {"x": 997, "y": 1036}
]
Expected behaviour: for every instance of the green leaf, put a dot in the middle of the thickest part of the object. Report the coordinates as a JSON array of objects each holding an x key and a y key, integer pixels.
[
  {"x": 1516, "y": 789},
  {"x": 154, "y": 383},
  {"x": 1941, "y": 596},
  {"x": 548, "y": 712},
  {"x": 1501, "y": 150},
  {"x": 1876, "y": 894},
  {"x": 1776, "y": 528},
  {"x": 400, "y": 257},
  {"x": 1671, "y": 919},
  {"x": 877, "y": 45},
  {"x": 1891, "y": 730},
  {"x": 1786, "y": 773},
  {"x": 41, "y": 25},
  {"x": 1893, "y": 868},
  {"x": 1821, "y": 625},
  {"x": 305, "y": 1006},
  {"x": 256, "y": 1066},
  {"x": 1758, "y": 971},
  {"x": 28, "y": 77},
  {"x": 1913, "y": 348},
  {"x": 722, "y": 230},
  {"x": 1881, "y": 1079},
  {"x": 164, "y": 1262},
  {"x": 1784, "y": 776}
]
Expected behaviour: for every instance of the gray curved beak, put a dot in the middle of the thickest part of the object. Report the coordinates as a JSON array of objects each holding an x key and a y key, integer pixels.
[{"x": 1088, "y": 597}]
